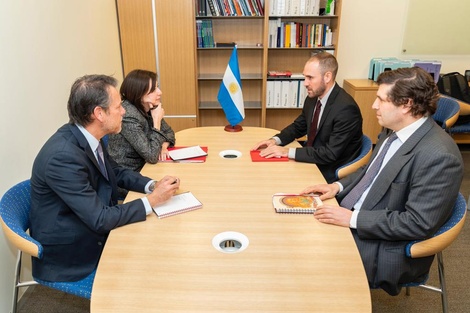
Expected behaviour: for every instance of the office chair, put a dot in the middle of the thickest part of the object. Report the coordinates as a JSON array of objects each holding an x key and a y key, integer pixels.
[
  {"x": 447, "y": 112},
  {"x": 14, "y": 212},
  {"x": 435, "y": 245},
  {"x": 360, "y": 160}
]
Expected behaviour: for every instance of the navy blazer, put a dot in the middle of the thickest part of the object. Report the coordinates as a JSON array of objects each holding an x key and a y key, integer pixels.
[
  {"x": 410, "y": 199},
  {"x": 74, "y": 206},
  {"x": 339, "y": 135}
]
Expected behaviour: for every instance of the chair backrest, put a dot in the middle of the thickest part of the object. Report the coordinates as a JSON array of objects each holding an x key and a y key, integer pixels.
[
  {"x": 447, "y": 112},
  {"x": 14, "y": 212},
  {"x": 446, "y": 234},
  {"x": 360, "y": 160}
]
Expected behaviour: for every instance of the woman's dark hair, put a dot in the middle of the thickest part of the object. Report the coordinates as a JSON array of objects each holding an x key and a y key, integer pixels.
[
  {"x": 86, "y": 94},
  {"x": 413, "y": 84},
  {"x": 137, "y": 84}
]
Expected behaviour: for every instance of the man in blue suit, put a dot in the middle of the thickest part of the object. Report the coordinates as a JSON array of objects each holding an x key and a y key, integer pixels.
[
  {"x": 74, "y": 185},
  {"x": 405, "y": 193}
]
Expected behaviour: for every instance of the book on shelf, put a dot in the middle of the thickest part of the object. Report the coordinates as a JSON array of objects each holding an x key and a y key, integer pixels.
[
  {"x": 295, "y": 8},
  {"x": 295, "y": 203},
  {"x": 179, "y": 203},
  {"x": 298, "y": 34},
  {"x": 255, "y": 157},
  {"x": 193, "y": 154},
  {"x": 279, "y": 74},
  {"x": 225, "y": 44},
  {"x": 205, "y": 36},
  {"x": 229, "y": 8}
]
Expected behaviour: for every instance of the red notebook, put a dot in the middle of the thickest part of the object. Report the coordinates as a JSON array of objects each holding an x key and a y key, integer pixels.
[
  {"x": 255, "y": 157},
  {"x": 199, "y": 159}
]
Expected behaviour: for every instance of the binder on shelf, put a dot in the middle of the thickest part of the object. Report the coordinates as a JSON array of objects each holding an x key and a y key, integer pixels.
[
  {"x": 277, "y": 93},
  {"x": 285, "y": 93},
  {"x": 270, "y": 94}
]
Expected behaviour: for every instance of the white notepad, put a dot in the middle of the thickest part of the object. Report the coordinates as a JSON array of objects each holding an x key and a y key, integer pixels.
[
  {"x": 186, "y": 153},
  {"x": 178, "y": 204}
]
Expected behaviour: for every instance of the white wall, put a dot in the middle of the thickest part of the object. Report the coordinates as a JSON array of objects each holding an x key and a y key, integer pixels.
[
  {"x": 375, "y": 28},
  {"x": 44, "y": 46}
]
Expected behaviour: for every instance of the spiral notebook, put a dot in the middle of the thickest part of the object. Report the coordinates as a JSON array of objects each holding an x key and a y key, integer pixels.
[
  {"x": 295, "y": 203},
  {"x": 178, "y": 204}
]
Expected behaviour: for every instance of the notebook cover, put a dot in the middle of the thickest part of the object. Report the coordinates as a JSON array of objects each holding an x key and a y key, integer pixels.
[
  {"x": 295, "y": 203},
  {"x": 255, "y": 157}
]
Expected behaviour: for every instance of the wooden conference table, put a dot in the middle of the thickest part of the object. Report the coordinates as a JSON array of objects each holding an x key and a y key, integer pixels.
[{"x": 292, "y": 263}]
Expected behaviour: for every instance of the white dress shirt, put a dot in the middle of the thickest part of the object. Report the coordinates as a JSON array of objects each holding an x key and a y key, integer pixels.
[{"x": 403, "y": 135}]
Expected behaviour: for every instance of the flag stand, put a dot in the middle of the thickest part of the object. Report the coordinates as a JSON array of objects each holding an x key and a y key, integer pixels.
[{"x": 233, "y": 129}]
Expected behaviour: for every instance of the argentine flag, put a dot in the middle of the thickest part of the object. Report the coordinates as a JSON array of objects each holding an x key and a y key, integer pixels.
[{"x": 230, "y": 93}]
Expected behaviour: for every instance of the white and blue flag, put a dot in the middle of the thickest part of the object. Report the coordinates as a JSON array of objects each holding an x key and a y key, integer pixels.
[{"x": 230, "y": 93}]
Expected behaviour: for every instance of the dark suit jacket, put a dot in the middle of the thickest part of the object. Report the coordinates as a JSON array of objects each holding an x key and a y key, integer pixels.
[
  {"x": 74, "y": 207},
  {"x": 339, "y": 135},
  {"x": 410, "y": 199}
]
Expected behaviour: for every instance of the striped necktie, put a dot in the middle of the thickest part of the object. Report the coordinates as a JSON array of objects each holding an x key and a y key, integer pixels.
[
  {"x": 99, "y": 155},
  {"x": 355, "y": 194}
]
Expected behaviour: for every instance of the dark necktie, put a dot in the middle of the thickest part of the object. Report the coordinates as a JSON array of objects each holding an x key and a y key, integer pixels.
[
  {"x": 314, "y": 125},
  {"x": 355, "y": 194},
  {"x": 99, "y": 155}
]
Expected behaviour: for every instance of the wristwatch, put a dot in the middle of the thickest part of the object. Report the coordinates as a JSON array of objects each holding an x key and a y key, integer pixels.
[{"x": 152, "y": 186}]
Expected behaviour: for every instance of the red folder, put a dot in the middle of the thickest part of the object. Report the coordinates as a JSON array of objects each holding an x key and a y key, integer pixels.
[{"x": 255, "y": 157}]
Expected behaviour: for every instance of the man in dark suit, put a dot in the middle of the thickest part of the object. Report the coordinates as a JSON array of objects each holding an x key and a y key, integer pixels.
[
  {"x": 334, "y": 129},
  {"x": 405, "y": 195},
  {"x": 74, "y": 185}
]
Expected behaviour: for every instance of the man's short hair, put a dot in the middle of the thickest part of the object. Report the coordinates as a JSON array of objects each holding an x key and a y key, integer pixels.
[
  {"x": 86, "y": 94},
  {"x": 327, "y": 62},
  {"x": 412, "y": 83}
]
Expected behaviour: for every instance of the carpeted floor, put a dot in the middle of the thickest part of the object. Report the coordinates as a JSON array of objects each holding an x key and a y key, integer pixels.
[{"x": 40, "y": 299}]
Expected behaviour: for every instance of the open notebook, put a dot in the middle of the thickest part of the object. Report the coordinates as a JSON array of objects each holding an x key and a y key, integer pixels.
[{"x": 178, "y": 204}]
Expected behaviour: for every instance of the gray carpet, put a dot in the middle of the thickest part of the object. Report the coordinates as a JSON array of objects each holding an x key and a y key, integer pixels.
[{"x": 40, "y": 299}]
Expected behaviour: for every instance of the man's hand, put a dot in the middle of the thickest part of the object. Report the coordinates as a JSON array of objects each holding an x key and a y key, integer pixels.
[
  {"x": 274, "y": 152},
  {"x": 326, "y": 191},
  {"x": 333, "y": 214},
  {"x": 164, "y": 190},
  {"x": 265, "y": 143}
]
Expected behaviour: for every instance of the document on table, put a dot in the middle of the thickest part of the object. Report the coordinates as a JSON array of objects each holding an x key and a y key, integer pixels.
[
  {"x": 177, "y": 204},
  {"x": 186, "y": 153}
]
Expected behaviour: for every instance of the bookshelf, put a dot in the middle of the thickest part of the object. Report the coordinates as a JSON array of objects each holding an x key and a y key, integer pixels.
[{"x": 204, "y": 66}]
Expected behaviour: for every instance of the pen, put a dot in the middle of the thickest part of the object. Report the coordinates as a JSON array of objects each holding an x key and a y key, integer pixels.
[{"x": 176, "y": 180}]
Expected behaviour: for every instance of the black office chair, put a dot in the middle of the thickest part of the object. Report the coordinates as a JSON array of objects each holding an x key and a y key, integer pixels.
[
  {"x": 436, "y": 245},
  {"x": 14, "y": 216}
]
